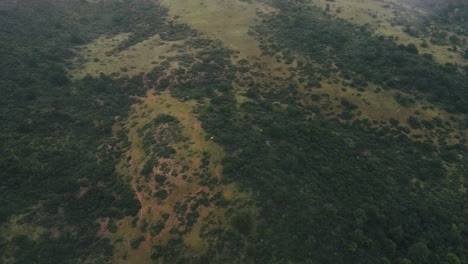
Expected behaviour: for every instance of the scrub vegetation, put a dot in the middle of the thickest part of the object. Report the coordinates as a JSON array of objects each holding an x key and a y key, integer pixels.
[{"x": 137, "y": 132}]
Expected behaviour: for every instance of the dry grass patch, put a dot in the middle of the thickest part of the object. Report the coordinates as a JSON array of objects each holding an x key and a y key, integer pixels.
[
  {"x": 97, "y": 57},
  {"x": 382, "y": 105},
  {"x": 372, "y": 103},
  {"x": 228, "y": 21},
  {"x": 381, "y": 17},
  {"x": 15, "y": 227}
]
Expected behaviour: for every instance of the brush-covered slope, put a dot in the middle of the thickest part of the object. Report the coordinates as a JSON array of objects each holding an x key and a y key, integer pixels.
[{"x": 209, "y": 131}]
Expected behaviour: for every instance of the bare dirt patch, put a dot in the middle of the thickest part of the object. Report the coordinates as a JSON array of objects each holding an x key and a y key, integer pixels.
[{"x": 182, "y": 188}]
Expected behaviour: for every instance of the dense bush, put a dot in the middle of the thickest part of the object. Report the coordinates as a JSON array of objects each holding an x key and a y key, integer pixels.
[
  {"x": 53, "y": 128},
  {"x": 337, "y": 194}
]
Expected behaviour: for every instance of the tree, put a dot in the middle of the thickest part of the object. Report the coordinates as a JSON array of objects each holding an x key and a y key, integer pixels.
[
  {"x": 244, "y": 222},
  {"x": 411, "y": 48},
  {"x": 419, "y": 252},
  {"x": 405, "y": 261},
  {"x": 453, "y": 259}
]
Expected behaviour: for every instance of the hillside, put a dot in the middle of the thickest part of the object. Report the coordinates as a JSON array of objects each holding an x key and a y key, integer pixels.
[{"x": 233, "y": 131}]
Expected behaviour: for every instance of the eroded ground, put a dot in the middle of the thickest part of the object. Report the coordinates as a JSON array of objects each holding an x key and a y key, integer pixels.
[
  {"x": 181, "y": 193},
  {"x": 180, "y": 190}
]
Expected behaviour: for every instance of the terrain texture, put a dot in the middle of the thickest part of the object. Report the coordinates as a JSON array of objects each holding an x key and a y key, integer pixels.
[{"x": 234, "y": 131}]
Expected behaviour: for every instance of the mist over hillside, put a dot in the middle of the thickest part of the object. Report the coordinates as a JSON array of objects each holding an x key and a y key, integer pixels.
[{"x": 452, "y": 11}]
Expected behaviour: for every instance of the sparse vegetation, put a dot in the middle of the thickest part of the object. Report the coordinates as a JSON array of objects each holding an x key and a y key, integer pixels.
[{"x": 261, "y": 149}]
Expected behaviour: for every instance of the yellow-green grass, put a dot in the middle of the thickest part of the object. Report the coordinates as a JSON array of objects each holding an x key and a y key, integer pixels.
[
  {"x": 225, "y": 20},
  {"x": 17, "y": 227},
  {"x": 379, "y": 106},
  {"x": 380, "y": 15},
  {"x": 383, "y": 106},
  {"x": 92, "y": 59}
]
